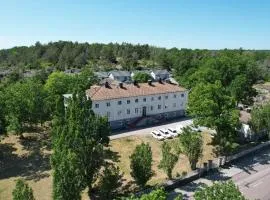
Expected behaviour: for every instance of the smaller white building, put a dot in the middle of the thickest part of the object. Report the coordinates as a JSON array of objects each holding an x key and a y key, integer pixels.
[
  {"x": 160, "y": 74},
  {"x": 121, "y": 76}
]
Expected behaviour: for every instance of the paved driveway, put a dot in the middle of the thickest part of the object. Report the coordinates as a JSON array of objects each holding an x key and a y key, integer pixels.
[
  {"x": 143, "y": 131},
  {"x": 251, "y": 174}
]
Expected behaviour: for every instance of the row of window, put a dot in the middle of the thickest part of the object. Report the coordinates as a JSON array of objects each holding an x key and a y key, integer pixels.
[
  {"x": 136, "y": 100},
  {"x": 136, "y": 110}
]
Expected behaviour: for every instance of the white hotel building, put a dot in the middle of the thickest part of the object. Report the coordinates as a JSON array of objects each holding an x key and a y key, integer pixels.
[{"x": 131, "y": 105}]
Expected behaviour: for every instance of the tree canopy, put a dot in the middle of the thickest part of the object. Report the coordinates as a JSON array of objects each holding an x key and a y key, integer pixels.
[{"x": 220, "y": 190}]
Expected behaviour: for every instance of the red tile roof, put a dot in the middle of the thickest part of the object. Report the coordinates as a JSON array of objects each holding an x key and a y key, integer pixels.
[{"x": 129, "y": 90}]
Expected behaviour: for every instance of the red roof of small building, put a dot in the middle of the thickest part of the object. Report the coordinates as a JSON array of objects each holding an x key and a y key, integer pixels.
[{"x": 98, "y": 93}]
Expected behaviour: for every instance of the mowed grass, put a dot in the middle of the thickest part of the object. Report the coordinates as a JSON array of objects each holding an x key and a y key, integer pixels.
[{"x": 31, "y": 162}]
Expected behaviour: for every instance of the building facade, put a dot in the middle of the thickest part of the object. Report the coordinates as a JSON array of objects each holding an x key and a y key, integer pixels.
[{"x": 129, "y": 105}]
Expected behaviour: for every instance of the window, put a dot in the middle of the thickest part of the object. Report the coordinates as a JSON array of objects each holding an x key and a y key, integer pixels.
[
  {"x": 174, "y": 96},
  {"x": 119, "y": 112},
  {"x": 128, "y": 111},
  {"x": 166, "y": 97},
  {"x": 152, "y": 98},
  {"x": 128, "y": 101},
  {"x": 159, "y": 106},
  {"x": 119, "y": 102},
  {"x": 159, "y": 98},
  {"x": 151, "y": 107},
  {"x": 96, "y": 105},
  {"x": 108, "y": 104},
  {"x": 136, "y": 110},
  {"x": 136, "y": 100},
  {"x": 144, "y": 99},
  {"x": 108, "y": 114},
  {"x": 182, "y": 95},
  {"x": 174, "y": 105}
]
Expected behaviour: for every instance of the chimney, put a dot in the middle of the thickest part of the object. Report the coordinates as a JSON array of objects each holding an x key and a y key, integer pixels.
[
  {"x": 121, "y": 85},
  {"x": 149, "y": 82},
  {"x": 107, "y": 84}
]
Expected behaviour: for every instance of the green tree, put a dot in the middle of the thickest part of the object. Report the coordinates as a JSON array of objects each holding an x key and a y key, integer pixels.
[
  {"x": 67, "y": 175},
  {"x": 22, "y": 191},
  {"x": 168, "y": 160},
  {"x": 83, "y": 135},
  {"x": 142, "y": 77},
  {"x": 260, "y": 118},
  {"x": 141, "y": 164},
  {"x": 24, "y": 104},
  {"x": 220, "y": 190},
  {"x": 241, "y": 89},
  {"x": 109, "y": 182},
  {"x": 211, "y": 106},
  {"x": 191, "y": 145},
  {"x": 57, "y": 84},
  {"x": 157, "y": 194}
]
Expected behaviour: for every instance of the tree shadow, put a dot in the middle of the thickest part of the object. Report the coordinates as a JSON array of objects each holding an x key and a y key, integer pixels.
[
  {"x": 31, "y": 166},
  {"x": 112, "y": 155}
]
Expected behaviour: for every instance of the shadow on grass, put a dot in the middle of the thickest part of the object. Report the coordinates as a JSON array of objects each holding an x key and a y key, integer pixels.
[{"x": 30, "y": 166}]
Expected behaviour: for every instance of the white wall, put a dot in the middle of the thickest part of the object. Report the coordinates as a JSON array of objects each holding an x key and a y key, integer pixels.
[{"x": 180, "y": 104}]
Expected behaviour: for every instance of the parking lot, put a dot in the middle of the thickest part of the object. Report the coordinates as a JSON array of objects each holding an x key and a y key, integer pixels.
[{"x": 147, "y": 130}]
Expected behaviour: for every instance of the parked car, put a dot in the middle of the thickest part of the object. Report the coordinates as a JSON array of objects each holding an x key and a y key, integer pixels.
[
  {"x": 165, "y": 133},
  {"x": 157, "y": 135},
  {"x": 179, "y": 128},
  {"x": 195, "y": 128},
  {"x": 173, "y": 132}
]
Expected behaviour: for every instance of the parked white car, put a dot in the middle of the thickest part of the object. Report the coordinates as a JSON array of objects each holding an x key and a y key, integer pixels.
[
  {"x": 195, "y": 128},
  {"x": 165, "y": 133},
  {"x": 157, "y": 135},
  {"x": 179, "y": 128},
  {"x": 173, "y": 132}
]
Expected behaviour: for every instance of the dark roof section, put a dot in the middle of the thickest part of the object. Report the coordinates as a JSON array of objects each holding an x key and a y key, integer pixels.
[
  {"x": 119, "y": 73},
  {"x": 159, "y": 72},
  {"x": 101, "y": 74}
]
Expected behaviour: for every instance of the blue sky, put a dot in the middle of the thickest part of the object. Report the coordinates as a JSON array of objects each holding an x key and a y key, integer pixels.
[{"x": 211, "y": 24}]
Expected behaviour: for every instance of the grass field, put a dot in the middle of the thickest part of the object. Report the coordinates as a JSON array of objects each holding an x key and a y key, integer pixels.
[{"x": 31, "y": 162}]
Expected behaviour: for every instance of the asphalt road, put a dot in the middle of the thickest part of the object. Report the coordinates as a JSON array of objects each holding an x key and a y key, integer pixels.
[
  {"x": 251, "y": 174},
  {"x": 147, "y": 130}
]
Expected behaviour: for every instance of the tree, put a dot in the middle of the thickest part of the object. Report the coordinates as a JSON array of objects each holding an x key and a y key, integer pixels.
[
  {"x": 168, "y": 159},
  {"x": 57, "y": 84},
  {"x": 260, "y": 118},
  {"x": 80, "y": 135},
  {"x": 157, "y": 194},
  {"x": 211, "y": 106},
  {"x": 109, "y": 182},
  {"x": 191, "y": 145},
  {"x": 141, "y": 164},
  {"x": 142, "y": 77},
  {"x": 24, "y": 105},
  {"x": 67, "y": 176},
  {"x": 241, "y": 89},
  {"x": 22, "y": 191},
  {"x": 220, "y": 190}
]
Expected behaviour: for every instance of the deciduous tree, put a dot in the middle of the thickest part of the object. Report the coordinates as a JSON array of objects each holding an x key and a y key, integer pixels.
[
  {"x": 191, "y": 145},
  {"x": 220, "y": 190},
  {"x": 141, "y": 164},
  {"x": 168, "y": 160}
]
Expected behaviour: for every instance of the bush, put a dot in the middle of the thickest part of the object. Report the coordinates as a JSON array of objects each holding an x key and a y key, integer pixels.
[{"x": 22, "y": 191}]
